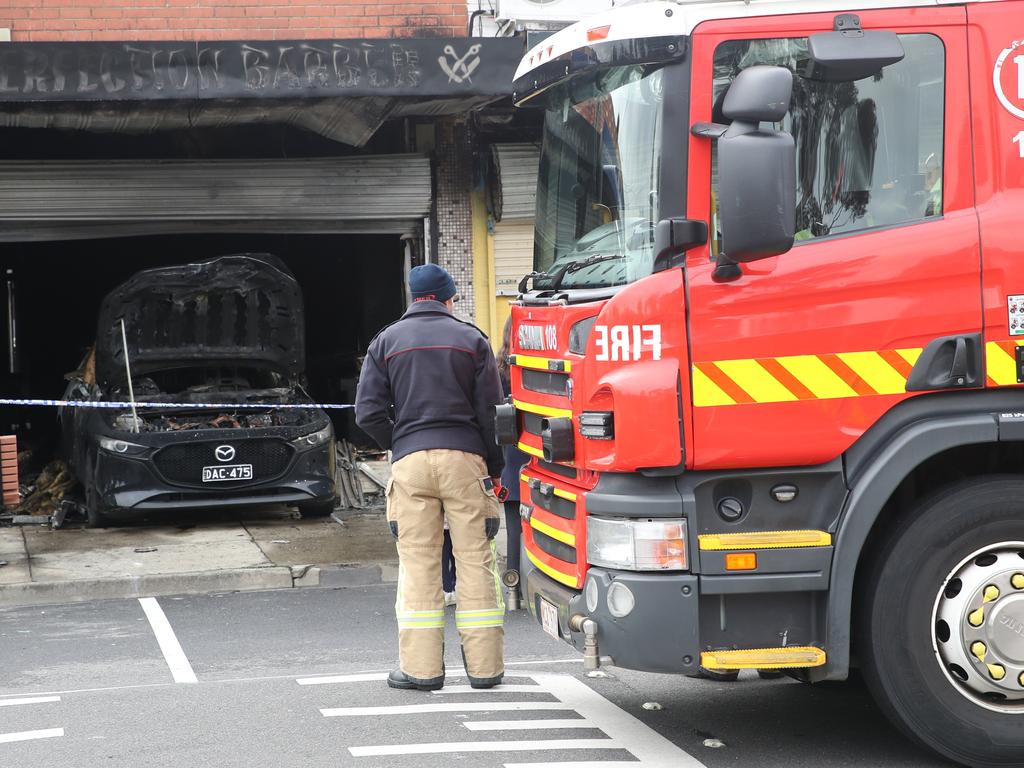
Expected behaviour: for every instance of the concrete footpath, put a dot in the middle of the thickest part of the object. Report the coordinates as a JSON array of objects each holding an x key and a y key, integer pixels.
[{"x": 265, "y": 549}]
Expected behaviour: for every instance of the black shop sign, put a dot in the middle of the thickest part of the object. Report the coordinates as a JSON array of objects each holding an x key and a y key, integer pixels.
[{"x": 433, "y": 67}]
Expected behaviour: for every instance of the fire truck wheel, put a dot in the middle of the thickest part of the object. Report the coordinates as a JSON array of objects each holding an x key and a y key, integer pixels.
[
  {"x": 941, "y": 625},
  {"x": 719, "y": 675}
]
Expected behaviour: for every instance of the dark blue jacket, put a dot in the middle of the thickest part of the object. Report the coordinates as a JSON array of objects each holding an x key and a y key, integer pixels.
[{"x": 430, "y": 380}]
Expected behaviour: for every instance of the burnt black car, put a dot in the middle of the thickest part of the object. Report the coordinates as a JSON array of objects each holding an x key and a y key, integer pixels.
[{"x": 227, "y": 331}]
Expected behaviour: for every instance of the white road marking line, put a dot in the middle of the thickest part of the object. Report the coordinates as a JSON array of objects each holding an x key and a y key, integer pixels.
[
  {"x": 365, "y": 678},
  {"x": 369, "y": 677},
  {"x": 484, "y": 746},
  {"x": 36, "y": 700},
  {"x": 498, "y": 689},
  {"x": 413, "y": 709},
  {"x": 580, "y": 764},
  {"x": 7, "y": 738},
  {"x": 647, "y": 745},
  {"x": 181, "y": 670},
  {"x": 526, "y": 725}
]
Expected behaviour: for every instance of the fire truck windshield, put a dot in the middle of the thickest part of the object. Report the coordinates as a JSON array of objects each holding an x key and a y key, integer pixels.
[{"x": 597, "y": 189}]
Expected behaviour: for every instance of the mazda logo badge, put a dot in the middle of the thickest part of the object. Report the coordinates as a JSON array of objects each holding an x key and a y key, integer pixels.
[{"x": 224, "y": 452}]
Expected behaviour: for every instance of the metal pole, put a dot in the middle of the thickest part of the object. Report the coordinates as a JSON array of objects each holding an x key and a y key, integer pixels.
[{"x": 128, "y": 373}]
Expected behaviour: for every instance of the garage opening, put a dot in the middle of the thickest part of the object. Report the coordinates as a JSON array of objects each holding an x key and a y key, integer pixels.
[{"x": 76, "y": 224}]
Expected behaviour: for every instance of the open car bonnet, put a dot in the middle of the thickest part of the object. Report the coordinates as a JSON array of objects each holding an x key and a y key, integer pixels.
[{"x": 244, "y": 308}]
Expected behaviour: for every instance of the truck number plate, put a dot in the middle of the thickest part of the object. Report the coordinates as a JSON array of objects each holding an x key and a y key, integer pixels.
[
  {"x": 549, "y": 618},
  {"x": 227, "y": 472}
]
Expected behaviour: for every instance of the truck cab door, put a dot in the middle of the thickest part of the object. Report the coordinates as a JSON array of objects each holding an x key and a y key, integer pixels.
[{"x": 794, "y": 359}]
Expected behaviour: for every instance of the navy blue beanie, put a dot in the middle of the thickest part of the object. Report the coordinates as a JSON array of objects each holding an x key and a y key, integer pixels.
[{"x": 431, "y": 282}]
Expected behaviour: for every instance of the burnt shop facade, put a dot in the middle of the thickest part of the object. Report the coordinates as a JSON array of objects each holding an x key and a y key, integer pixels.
[{"x": 350, "y": 160}]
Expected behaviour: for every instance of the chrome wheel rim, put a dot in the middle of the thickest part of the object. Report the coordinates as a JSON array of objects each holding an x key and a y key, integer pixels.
[{"x": 978, "y": 627}]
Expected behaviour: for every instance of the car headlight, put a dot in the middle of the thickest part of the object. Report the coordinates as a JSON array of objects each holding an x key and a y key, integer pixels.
[
  {"x": 637, "y": 545},
  {"x": 319, "y": 437},
  {"x": 121, "y": 447}
]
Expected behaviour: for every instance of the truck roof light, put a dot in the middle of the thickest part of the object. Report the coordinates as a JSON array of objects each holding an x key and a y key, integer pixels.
[{"x": 598, "y": 33}]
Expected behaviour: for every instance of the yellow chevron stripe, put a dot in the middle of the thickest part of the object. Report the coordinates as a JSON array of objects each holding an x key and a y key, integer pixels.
[
  {"x": 706, "y": 392},
  {"x": 542, "y": 410},
  {"x": 549, "y": 571},
  {"x": 877, "y": 373},
  {"x": 910, "y": 355},
  {"x": 554, "y": 533},
  {"x": 755, "y": 381},
  {"x": 1000, "y": 365},
  {"x": 816, "y": 376}
]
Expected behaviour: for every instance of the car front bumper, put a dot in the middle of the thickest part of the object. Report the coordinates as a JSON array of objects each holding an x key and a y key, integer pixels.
[{"x": 126, "y": 485}]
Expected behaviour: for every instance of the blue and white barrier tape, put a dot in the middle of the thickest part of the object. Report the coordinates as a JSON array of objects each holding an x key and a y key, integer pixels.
[{"x": 126, "y": 406}]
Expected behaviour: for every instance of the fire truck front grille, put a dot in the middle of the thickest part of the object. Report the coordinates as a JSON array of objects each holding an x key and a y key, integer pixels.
[
  {"x": 531, "y": 423},
  {"x": 557, "y": 469},
  {"x": 556, "y": 505},
  {"x": 553, "y": 547},
  {"x": 546, "y": 382}
]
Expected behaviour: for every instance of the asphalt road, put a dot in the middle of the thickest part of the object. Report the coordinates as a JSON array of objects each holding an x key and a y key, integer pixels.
[{"x": 295, "y": 678}]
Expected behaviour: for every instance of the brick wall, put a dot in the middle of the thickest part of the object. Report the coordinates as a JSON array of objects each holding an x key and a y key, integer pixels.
[{"x": 66, "y": 20}]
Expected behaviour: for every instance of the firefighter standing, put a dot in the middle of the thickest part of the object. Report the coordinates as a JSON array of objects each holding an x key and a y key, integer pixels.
[{"x": 427, "y": 391}]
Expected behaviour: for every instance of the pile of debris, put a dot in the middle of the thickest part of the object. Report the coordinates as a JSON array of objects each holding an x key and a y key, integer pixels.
[
  {"x": 43, "y": 493},
  {"x": 361, "y": 477}
]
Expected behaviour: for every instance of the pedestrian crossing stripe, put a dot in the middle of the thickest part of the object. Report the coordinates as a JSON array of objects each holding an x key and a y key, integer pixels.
[{"x": 802, "y": 377}]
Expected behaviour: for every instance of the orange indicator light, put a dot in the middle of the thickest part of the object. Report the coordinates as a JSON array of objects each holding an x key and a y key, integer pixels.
[
  {"x": 598, "y": 33},
  {"x": 741, "y": 561}
]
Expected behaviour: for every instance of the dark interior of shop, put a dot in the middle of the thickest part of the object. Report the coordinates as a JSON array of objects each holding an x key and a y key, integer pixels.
[{"x": 352, "y": 286}]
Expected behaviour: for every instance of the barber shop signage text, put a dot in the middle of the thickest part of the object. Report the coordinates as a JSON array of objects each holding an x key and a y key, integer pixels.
[{"x": 275, "y": 69}]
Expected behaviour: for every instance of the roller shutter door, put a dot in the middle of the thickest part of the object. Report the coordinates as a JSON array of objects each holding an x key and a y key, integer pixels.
[
  {"x": 513, "y": 255},
  {"x": 83, "y": 199}
]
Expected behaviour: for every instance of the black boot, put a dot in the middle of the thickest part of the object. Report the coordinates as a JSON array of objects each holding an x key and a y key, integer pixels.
[
  {"x": 484, "y": 682},
  {"x": 398, "y": 679}
]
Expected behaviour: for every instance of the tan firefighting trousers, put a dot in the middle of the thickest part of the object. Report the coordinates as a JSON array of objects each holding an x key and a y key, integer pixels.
[{"x": 426, "y": 487}]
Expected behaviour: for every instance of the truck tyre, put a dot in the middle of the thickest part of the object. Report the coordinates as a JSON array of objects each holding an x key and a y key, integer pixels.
[{"x": 941, "y": 625}]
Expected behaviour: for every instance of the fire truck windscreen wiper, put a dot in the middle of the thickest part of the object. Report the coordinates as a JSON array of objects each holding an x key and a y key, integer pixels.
[{"x": 576, "y": 266}]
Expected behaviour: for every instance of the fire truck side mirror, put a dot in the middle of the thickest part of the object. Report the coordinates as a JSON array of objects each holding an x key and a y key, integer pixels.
[
  {"x": 850, "y": 53},
  {"x": 756, "y": 169}
]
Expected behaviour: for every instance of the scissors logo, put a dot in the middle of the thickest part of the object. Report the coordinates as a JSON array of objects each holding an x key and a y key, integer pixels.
[{"x": 459, "y": 70}]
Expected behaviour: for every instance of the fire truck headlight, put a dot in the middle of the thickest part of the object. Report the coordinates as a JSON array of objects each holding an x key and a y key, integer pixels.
[
  {"x": 620, "y": 600},
  {"x": 637, "y": 545},
  {"x": 597, "y": 425},
  {"x": 590, "y": 595}
]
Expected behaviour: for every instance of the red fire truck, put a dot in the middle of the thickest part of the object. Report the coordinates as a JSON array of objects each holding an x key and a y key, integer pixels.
[{"x": 768, "y": 363}]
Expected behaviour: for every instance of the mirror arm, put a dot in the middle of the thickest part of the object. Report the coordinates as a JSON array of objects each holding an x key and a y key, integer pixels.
[
  {"x": 708, "y": 130},
  {"x": 726, "y": 270}
]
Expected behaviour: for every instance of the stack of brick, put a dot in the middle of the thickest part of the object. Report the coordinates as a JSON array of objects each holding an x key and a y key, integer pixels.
[
  {"x": 9, "y": 470},
  {"x": 73, "y": 20}
]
